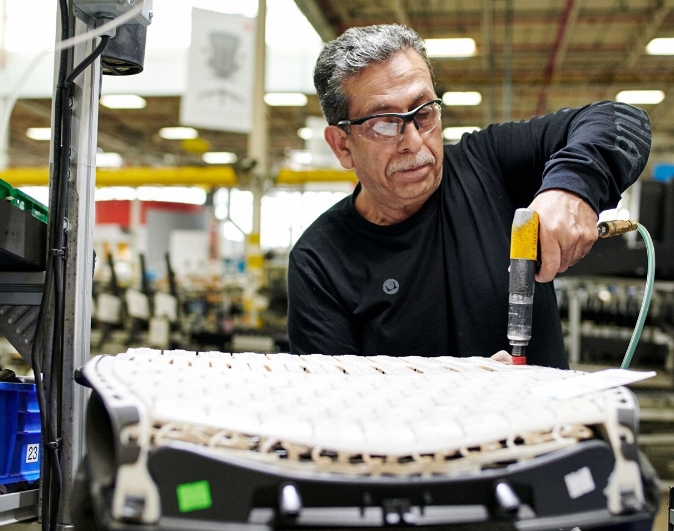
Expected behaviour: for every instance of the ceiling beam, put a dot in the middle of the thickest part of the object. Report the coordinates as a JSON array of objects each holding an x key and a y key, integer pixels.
[
  {"x": 401, "y": 13},
  {"x": 472, "y": 20},
  {"x": 564, "y": 45},
  {"x": 321, "y": 16},
  {"x": 643, "y": 36},
  {"x": 638, "y": 41},
  {"x": 566, "y": 22}
]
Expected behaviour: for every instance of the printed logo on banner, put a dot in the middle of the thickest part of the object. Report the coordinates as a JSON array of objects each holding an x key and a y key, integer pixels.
[{"x": 220, "y": 72}]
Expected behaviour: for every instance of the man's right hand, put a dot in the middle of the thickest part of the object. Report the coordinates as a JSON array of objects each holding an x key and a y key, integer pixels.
[{"x": 568, "y": 229}]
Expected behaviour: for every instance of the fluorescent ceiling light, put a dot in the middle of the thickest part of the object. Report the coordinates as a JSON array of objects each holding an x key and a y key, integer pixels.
[
  {"x": 285, "y": 99},
  {"x": 172, "y": 194},
  {"x": 461, "y": 47},
  {"x": 661, "y": 46},
  {"x": 178, "y": 133},
  {"x": 109, "y": 160},
  {"x": 123, "y": 101},
  {"x": 455, "y": 133},
  {"x": 116, "y": 193},
  {"x": 305, "y": 133},
  {"x": 219, "y": 157},
  {"x": 462, "y": 98},
  {"x": 651, "y": 97},
  {"x": 39, "y": 133}
]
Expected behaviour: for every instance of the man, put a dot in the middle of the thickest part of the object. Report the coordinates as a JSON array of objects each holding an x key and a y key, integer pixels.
[{"x": 415, "y": 261}]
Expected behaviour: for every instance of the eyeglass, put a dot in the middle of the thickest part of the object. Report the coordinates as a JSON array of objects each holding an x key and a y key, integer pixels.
[{"x": 390, "y": 126}]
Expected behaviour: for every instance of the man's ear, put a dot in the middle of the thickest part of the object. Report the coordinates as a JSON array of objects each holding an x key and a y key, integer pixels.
[{"x": 336, "y": 138}]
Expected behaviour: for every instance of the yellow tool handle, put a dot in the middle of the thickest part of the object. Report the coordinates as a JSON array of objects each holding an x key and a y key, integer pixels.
[{"x": 524, "y": 235}]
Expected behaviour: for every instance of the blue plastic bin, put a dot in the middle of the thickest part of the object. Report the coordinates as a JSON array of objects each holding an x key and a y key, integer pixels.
[{"x": 20, "y": 451}]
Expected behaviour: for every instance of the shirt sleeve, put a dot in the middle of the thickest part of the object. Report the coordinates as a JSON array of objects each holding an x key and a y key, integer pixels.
[
  {"x": 596, "y": 152},
  {"x": 317, "y": 322}
]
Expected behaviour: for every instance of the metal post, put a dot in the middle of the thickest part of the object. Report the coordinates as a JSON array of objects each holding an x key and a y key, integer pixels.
[
  {"x": 79, "y": 264},
  {"x": 4, "y": 148},
  {"x": 258, "y": 147},
  {"x": 574, "y": 325},
  {"x": 4, "y": 144},
  {"x": 259, "y": 136}
]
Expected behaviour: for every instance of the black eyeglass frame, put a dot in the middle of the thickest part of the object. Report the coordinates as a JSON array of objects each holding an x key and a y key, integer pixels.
[{"x": 405, "y": 116}]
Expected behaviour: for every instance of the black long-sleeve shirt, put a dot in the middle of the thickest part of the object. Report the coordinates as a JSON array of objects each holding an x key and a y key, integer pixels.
[{"x": 437, "y": 283}]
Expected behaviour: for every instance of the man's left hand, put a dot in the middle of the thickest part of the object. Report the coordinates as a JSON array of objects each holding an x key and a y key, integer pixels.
[
  {"x": 503, "y": 357},
  {"x": 567, "y": 231}
]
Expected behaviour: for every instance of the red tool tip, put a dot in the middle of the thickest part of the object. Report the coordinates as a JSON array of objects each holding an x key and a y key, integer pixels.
[{"x": 519, "y": 360}]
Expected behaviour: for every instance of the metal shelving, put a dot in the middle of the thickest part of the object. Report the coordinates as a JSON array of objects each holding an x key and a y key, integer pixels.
[{"x": 18, "y": 506}]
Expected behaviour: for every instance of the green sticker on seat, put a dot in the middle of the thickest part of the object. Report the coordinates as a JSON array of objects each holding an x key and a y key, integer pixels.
[{"x": 194, "y": 496}]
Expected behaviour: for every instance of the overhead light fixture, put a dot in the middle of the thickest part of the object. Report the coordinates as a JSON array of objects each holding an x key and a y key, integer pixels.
[
  {"x": 459, "y": 47},
  {"x": 285, "y": 99},
  {"x": 462, "y": 98},
  {"x": 178, "y": 133},
  {"x": 219, "y": 157},
  {"x": 172, "y": 194},
  {"x": 305, "y": 133},
  {"x": 109, "y": 160},
  {"x": 39, "y": 133},
  {"x": 116, "y": 193},
  {"x": 651, "y": 97},
  {"x": 123, "y": 101},
  {"x": 660, "y": 46},
  {"x": 455, "y": 133}
]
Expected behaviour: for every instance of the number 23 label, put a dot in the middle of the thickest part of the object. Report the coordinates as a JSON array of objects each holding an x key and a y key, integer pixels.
[{"x": 32, "y": 453}]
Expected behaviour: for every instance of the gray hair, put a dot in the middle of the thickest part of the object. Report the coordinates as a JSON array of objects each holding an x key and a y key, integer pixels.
[{"x": 352, "y": 52}]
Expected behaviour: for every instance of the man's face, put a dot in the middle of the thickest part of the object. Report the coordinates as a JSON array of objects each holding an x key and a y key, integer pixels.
[{"x": 396, "y": 177}]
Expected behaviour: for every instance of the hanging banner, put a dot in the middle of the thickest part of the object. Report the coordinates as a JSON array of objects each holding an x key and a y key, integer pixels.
[{"x": 220, "y": 72}]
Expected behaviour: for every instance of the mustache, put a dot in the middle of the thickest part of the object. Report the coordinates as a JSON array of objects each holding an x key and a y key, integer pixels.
[{"x": 419, "y": 159}]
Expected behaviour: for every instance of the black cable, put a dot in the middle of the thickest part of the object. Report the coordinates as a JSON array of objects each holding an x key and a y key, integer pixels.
[
  {"x": 57, "y": 250},
  {"x": 48, "y": 434},
  {"x": 55, "y": 382},
  {"x": 89, "y": 59}
]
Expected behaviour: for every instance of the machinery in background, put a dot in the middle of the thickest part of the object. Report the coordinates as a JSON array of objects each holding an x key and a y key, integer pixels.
[
  {"x": 132, "y": 315},
  {"x": 599, "y": 314},
  {"x": 195, "y": 312}
]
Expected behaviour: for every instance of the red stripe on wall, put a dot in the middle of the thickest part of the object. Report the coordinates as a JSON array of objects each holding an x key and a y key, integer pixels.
[{"x": 118, "y": 212}]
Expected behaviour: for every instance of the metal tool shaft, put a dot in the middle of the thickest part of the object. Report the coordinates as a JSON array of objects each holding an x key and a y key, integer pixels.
[{"x": 523, "y": 258}]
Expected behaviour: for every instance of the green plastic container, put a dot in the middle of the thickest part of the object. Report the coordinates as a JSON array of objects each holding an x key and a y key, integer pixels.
[{"x": 23, "y": 201}]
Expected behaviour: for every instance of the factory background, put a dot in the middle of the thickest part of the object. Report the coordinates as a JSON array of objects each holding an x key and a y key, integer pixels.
[{"x": 206, "y": 176}]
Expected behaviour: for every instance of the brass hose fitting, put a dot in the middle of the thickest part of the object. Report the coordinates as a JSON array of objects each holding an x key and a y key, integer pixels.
[{"x": 615, "y": 227}]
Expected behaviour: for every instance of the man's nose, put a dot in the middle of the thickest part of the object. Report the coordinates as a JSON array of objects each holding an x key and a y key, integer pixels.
[{"x": 411, "y": 140}]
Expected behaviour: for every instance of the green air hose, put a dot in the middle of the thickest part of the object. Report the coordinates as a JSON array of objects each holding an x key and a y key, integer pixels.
[{"x": 613, "y": 228}]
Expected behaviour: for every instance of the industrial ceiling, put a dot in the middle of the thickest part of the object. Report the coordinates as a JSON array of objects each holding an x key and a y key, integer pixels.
[{"x": 533, "y": 56}]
